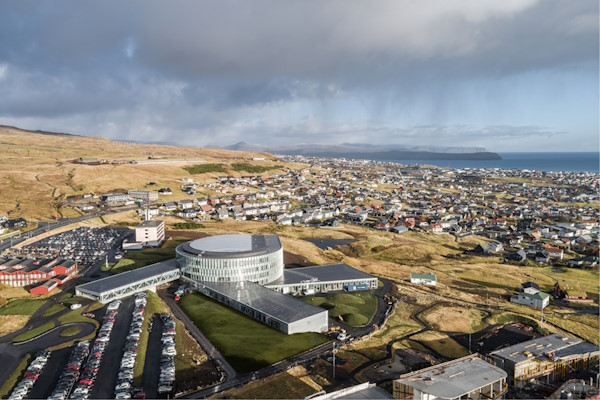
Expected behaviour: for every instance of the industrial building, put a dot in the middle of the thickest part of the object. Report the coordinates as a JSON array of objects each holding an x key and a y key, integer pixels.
[
  {"x": 364, "y": 391},
  {"x": 549, "y": 358},
  {"x": 19, "y": 272},
  {"x": 468, "y": 377},
  {"x": 245, "y": 272}
]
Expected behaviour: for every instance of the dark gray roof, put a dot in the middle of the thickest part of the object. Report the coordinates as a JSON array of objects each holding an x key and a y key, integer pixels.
[
  {"x": 280, "y": 306},
  {"x": 231, "y": 246},
  {"x": 150, "y": 224},
  {"x": 538, "y": 348},
  {"x": 325, "y": 273},
  {"x": 129, "y": 277}
]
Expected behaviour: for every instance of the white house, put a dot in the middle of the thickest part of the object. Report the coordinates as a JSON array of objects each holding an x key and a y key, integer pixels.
[
  {"x": 423, "y": 279},
  {"x": 530, "y": 295}
]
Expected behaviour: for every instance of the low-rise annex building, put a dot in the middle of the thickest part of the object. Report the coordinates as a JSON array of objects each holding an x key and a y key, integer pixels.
[{"x": 468, "y": 377}]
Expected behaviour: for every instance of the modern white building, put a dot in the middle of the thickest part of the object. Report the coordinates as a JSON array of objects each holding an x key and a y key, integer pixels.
[
  {"x": 150, "y": 233},
  {"x": 231, "y": 258},
  {"x": 468, "y": 377}
]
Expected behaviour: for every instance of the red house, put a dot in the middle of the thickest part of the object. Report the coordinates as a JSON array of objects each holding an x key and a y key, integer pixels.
[{"x": 45, "y": 287}]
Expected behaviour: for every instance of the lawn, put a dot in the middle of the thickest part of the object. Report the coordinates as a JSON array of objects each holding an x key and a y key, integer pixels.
[
  {"x": 70, "y": 331},
  {"x": 137, "y": 259},
  {"x": 21, "y": 306},
  {"x": 356, "y": 309},
  {"x": 153, "y": 306},
  {"x": 54, "y": 309},
  {"x": 204, "y": 168},
  {"x": 441, "y": 343},
  {"x": 34, "y": 332},
  {"x": 455, "y": 319},
  {"x": 247, "y": 344},
  {"x": 294, "y": 384}
]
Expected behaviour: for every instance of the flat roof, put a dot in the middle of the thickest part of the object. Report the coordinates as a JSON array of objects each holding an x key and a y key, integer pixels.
[
  {"x": 151, "y": 224},
  {"x": 558, "y": 344},
  {"x": 366, "y": 391},
  {"x": 325, "y": 273},
  {"x": 280, "y": 306},
  {"x": 454, "y": 378},
  {"x": 231, "y": 246},
  {"x": 129, "y": 277}
]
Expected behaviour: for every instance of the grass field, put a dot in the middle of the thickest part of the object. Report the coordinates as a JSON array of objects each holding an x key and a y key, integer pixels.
[
  {"x": 441, "y": 343},
  {"x": 455, "y": 319},
  {"x": 204, "y": 168},
  {"x": 70, "y": 331},
  {"x": 12, "y": 323},
  {"x": 24, "y": 306},
  {"x": 54, "y": 309},
  {"x": 140, "y": 258},
  {"x": 153, "y": 306},
  {"x": 33, "y": 332},
  {"x": 247, "y": 344},
  {"x": 356, "y": 309},
  {"x": 294, "y": 383}
]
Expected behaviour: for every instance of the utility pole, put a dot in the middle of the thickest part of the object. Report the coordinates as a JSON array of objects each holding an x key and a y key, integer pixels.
[
  {"x": 542, "y": 319},
  {"x": 333, "y": 352}
]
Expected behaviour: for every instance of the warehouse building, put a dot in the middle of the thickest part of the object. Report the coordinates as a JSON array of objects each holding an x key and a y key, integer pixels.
[
  {"x": 468, "y": 377},
  {"x": 20, "y": 272},
  {"x": 546, "y": 358}
]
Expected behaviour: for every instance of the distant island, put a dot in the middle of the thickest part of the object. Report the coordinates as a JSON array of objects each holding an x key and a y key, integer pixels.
[{"x": 393, "y": 152}]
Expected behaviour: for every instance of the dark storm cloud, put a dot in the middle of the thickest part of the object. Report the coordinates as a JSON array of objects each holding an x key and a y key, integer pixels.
[{"x": 151, "y": 69}]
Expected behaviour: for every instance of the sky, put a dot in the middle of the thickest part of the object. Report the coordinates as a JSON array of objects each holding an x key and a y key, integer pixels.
[{"x": 510, "y": 75}]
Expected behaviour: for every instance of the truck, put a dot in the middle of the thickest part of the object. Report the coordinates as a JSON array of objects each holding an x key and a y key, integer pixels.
[{"x": 356, "y": 288}]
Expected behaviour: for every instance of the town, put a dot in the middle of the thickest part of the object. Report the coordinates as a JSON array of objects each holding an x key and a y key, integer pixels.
[{"x": 541, "y": 222}]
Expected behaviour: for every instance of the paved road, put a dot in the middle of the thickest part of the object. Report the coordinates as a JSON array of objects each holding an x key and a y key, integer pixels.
[
  {"x": 104, "y": 388},
  {"x": 11, "y": 354},
  {"x": 152, "y": 363}
]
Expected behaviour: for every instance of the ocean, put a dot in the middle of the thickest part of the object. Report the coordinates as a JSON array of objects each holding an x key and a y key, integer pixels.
[{"x": 577, "y": 162}]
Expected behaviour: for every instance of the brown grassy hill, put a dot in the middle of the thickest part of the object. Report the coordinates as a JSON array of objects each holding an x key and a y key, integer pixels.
[{"x": 37, "y": 169}]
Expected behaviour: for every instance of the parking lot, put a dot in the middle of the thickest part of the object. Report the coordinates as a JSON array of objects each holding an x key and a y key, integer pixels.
[{"x": 84, "y": 245}]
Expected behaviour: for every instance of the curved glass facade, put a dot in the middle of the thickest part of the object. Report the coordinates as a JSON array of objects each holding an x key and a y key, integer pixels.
[{"x": 261, "y": 269}]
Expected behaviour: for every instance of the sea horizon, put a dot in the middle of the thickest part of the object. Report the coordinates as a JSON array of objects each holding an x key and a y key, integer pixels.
[{"x": 583, "y": 161}]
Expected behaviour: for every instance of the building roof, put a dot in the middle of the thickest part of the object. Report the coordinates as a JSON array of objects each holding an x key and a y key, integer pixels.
[
  {"x": 454, "y": 378},
  {"x": 151, "y": 224},
  {"x": 537, "y": 296},
  {"x": 537, "y": 348},
  {"x": 129, "y": 277},
  {"x": 279, "y": 306},
  {"x": 366, "y": 391},
  {"x": 325, "y": 273},
  {"x": 231, "y": 246},
  {"x": 430, "y": 277}
]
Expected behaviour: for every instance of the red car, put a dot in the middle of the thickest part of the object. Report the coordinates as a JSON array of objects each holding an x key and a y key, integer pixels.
[
  {"x": 140, "y": 395},
  {"x": 86, "y": 382}
]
